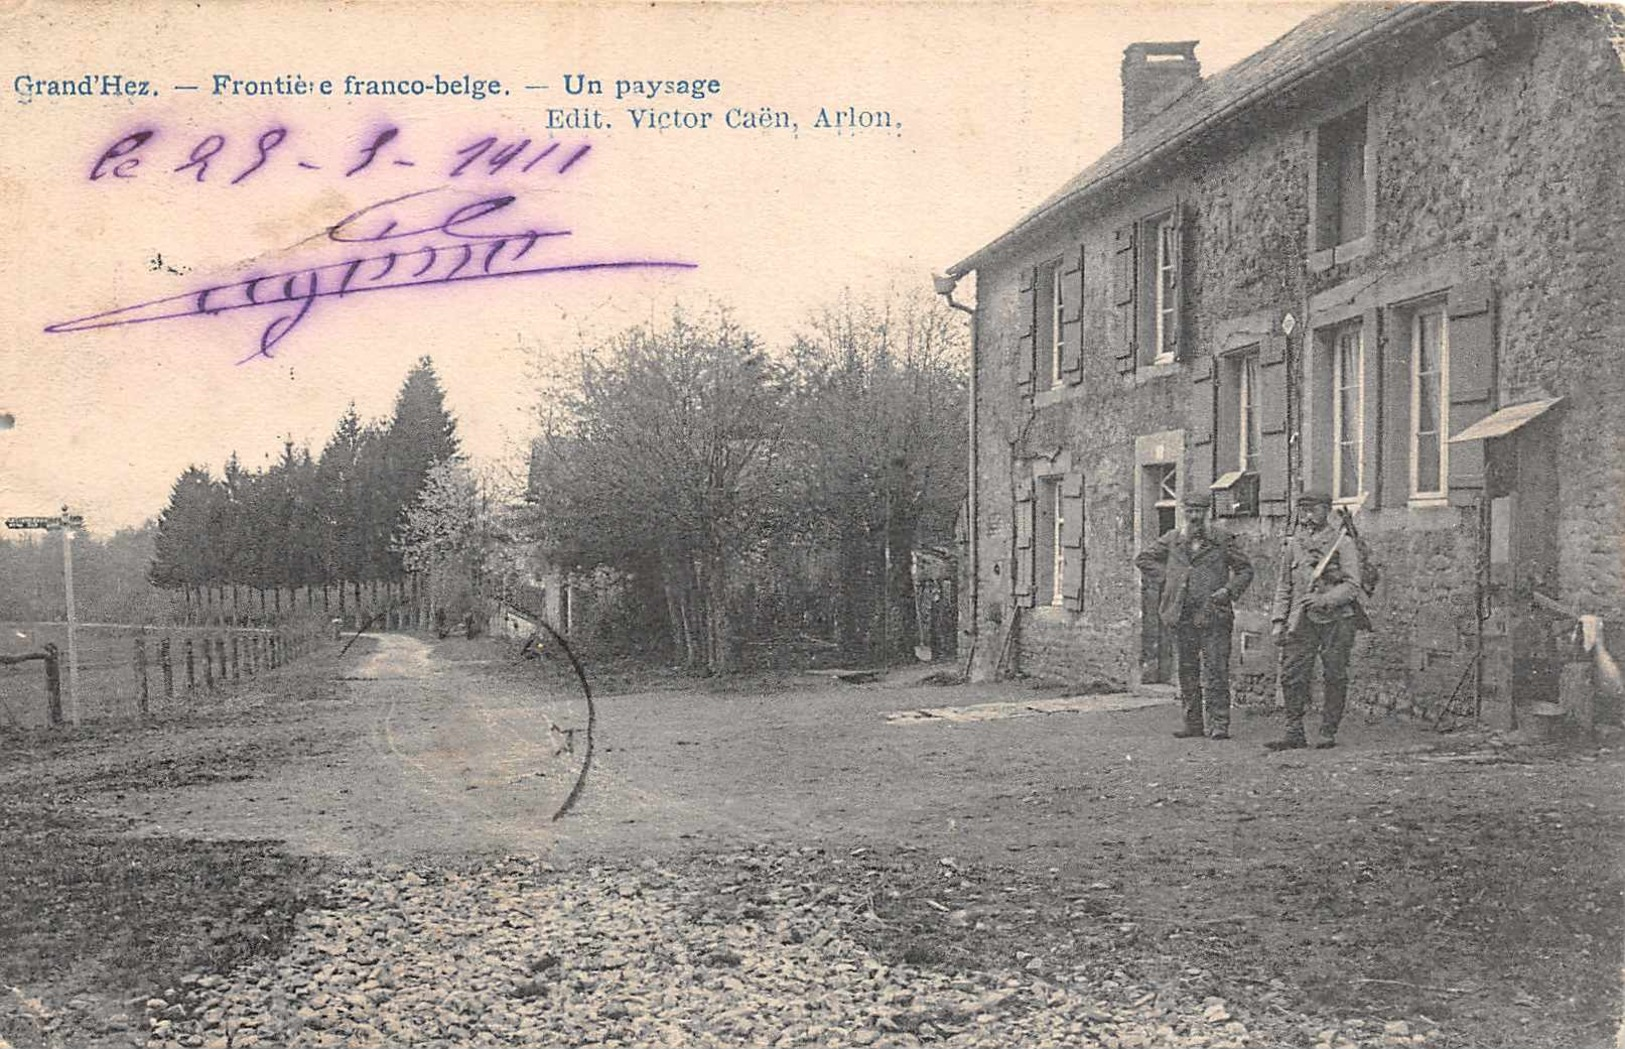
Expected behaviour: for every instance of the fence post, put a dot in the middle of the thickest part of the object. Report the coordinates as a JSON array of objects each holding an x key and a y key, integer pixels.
[
  {"x": 236, "y": 665},
  {"x": 53, "y": 686},
  {"x": 208, "y": 664},
  {"x": 168, "y": 667},
  {"x": 141, "y": 675},
  {"x": 220, "y": 658},
  {"x": 191, "y": 666}
]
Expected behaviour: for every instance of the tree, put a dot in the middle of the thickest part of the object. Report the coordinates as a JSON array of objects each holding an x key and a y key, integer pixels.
[
  {"x": 880, "y": 409},
  {"x": 180, "y": 548},
  {"x": 447, "y": 534},
  {"x": 420, "y": 434},
  {"x": 660, "y": 464}
]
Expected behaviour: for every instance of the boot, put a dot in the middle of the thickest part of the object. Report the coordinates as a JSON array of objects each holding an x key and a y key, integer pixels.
[{"x": 1191, "y": 732}]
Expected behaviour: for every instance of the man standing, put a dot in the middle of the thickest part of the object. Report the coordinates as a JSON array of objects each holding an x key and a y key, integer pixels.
[
  {"x": 1202, "y": 572},
  {"x": 1315, "y": 615}
]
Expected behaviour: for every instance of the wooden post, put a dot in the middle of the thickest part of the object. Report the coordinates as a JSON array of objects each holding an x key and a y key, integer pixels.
[
  {"x": 236, "y": 663},
  {"x": 53, "y": 686},
  {"x": 168, "y": 668},
  {"x": 141, "y": 675},
  {"x": 191, "y": 666},
  {"x": 208, "y": 665},
  {"x": 220, "y": 658}
]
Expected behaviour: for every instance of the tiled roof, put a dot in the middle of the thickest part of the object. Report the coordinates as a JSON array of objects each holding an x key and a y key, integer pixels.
[{"x": 1315, "y": 43}]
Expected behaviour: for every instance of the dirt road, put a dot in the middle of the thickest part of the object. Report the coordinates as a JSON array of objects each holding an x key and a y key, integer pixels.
[{"x": 1450, "y": 885}]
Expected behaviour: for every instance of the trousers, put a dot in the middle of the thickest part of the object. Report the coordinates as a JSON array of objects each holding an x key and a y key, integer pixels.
[
  {"x": 1330, "y": 643},
  {"x": 1204, "y": 672}
]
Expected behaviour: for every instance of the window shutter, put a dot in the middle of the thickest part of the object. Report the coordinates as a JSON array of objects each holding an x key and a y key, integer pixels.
[
  {"x": 1122, "y": 314},
  {"x": 1072, "y": 555},
  {"x": 1028, "y": 319},
  {"x": 1472, "y": 381},
  {"x": 1273, "y": 495},
  {"x": 1024, "y": 541},
  {"x": 1184, "y": 339},
  {"x": 1072, "y": 321},
  {"x": 1201, "y": 423}
]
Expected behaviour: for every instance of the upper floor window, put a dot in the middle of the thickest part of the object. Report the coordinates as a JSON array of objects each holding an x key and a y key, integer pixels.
[
  {"x": 1050, "y": 299},
  {"x": 1340, "y": 182},
  {"x": 1163, "y": 280},
  {"x": 1430, "y": 402},
  {"x": 1166, "y": 286}
]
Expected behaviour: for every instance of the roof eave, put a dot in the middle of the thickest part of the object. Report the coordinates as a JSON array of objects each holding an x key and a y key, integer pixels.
[{"x": 1403, "y": 17}]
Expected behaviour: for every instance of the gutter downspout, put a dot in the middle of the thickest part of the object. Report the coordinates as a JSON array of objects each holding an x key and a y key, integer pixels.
[{"x": 945, "y": 287}]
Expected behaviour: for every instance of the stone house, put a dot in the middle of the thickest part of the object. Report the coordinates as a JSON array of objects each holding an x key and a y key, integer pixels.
[{"x": 1381, "y": 256}]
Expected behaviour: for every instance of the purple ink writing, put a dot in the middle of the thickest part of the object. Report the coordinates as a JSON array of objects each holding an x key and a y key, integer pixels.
[
  {"x": 423, "y": 243},
  {"x": 123, "y": 158}
]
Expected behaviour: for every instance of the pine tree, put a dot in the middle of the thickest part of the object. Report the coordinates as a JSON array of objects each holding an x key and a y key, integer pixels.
[{"x": 420, "y": 434}]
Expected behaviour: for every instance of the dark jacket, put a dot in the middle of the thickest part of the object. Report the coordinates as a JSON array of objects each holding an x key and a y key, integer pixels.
[{"x": 1193, "y": 577}]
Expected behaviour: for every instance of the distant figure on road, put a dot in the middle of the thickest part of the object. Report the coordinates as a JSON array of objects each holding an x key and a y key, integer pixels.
[
  {"x": 1315, "y": 614},
  {"x": 1202, "y": 572}
]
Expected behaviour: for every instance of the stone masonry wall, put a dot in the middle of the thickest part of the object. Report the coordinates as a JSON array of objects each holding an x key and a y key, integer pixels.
[{"x": 1506, "y": 165}]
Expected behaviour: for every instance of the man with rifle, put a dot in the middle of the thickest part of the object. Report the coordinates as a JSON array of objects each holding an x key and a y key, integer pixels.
[{"x": 1317, "y": 610}]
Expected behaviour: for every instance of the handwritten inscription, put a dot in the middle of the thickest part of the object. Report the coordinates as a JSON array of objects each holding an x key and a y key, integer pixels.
[
  {"x": 217, "y": 157},
  {"x": 449, "y": 246}
]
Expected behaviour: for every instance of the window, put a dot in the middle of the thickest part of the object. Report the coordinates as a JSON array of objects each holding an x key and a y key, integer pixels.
[
  {"x": 1348, "y": 412},
  {"x": 1430, "y": 406},
  {"x": 1340, "y": 180},
  {"x": 1238, "y": 433},
  {"x": 1165, "y": 477},
  {"x": 1165, "y": 282},
  {"x": 1247, "y": 413},
  {"x": 1338, "y": 424},
  {"x": 1049, "y": 557},
  {"x": 1049, "y": 298}
]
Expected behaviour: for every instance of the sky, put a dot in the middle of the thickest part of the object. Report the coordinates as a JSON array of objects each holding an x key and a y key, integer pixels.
[{"x": 992, "y": 106}]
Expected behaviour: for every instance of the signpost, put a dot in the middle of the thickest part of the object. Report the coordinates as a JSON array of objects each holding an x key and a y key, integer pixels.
[{"x": 66, "y": 523}]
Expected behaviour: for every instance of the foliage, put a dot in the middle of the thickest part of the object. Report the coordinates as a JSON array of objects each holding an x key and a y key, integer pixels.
[
  {"x": 110, "y": 577},
  {"x": 305, "y": 521},
  {"x": 746, "y": 495},
  {"x": 661, "y": 464}
]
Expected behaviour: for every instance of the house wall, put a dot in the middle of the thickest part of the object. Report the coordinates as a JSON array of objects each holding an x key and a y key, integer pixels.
[{"x": 1492, "y": 166}]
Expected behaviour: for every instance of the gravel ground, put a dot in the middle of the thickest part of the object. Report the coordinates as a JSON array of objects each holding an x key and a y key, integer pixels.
[
  {"x": 518, "y": 953},
  {"x": 322, "y": 864}
]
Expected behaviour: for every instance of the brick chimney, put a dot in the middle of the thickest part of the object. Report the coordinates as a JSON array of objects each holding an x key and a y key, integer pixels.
[{"x": 1154, "y": 74}]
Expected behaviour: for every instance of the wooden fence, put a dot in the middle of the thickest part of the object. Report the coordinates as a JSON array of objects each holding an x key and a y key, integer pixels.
[
  {"x": 392, "y": 604},
  {"x": 135, "y": 671}
]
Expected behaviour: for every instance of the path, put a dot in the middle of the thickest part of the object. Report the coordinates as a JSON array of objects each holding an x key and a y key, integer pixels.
[{"x": 439, "y": 759}]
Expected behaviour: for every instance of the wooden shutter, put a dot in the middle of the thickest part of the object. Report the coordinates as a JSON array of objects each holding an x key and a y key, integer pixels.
[
  {"x": 1472, "y": 381},
  {"x": 1072, "y": 553},
  {"x": 1024, "y": 523},
  {"x": 1273, "y": 494},
  {"x": 1202, "y": 404},
  {"x": 1122, "y": 315},
  {"x": 1072, "y": 320},
  {"x": 1184, "y": 341},
  {"x": 1028, "y": 319}
]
